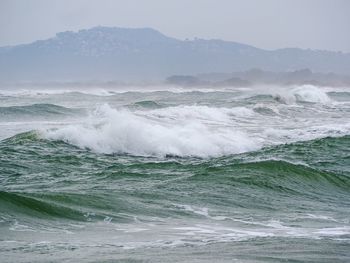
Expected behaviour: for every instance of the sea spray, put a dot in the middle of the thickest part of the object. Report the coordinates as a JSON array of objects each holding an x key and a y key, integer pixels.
[
  {"x": 175, "y": 174},
  {"x": 120, "y": 131}
]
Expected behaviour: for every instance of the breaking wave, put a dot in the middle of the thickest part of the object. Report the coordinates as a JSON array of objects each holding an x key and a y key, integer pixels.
[
  {"x": 305, "y": 93},
  {"x": 111, "y": 130}
]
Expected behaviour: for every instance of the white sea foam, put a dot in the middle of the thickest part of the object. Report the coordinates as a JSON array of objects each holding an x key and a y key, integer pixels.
[
  {"x": 202, "y": 211},
  {"x": 197, "y": 130},
  {"x": 334, "y": 231},
  {"x": 226, "y": 124},
  {"x": 305, "y": 93},
  {"x": 196, "y": 112},
  {"x": 311, "y": 93},
  {"x": 110, "y": 130}
]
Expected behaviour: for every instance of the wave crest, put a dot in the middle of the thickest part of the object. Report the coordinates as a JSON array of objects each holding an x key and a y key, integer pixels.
[
  {"x": 110, "y": 130},
  {"x": 305, "y": 93}
]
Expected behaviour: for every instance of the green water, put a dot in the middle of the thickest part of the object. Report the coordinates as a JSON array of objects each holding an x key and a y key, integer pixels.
[{"x": 66, "y": 195}]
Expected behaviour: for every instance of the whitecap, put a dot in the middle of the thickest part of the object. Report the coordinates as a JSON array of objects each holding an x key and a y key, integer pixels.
[{"x": 111, "y": 130}]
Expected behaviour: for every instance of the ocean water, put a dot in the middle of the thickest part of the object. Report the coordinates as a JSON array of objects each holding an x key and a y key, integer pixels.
[{"x": 169, "y": 174}]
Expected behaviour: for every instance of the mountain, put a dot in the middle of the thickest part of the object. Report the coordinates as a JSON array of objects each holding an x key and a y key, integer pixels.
[
  {"x": 123, "y": 54},
  {"x": 258, "y": 76}
]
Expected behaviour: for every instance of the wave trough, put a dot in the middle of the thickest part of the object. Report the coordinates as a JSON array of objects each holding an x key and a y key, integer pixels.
[{"x": 172, "y": 175}]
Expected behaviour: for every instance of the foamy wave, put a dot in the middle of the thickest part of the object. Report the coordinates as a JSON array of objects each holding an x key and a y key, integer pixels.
[
  {"x": 305, "y": 93},
  {"x": 196, "y": 112},
  {"x": 311, "y": 93},
  {"x": 110, "y": 130}
]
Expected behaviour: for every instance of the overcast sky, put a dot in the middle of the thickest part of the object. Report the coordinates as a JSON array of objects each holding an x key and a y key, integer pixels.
[{"x": 269, "y": 24}]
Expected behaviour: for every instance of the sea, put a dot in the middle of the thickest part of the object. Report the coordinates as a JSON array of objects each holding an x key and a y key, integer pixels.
[{"x": 174, "y": 174}]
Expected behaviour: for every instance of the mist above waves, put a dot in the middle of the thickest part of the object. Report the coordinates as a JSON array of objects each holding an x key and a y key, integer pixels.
[{"x": 146, "y": 55}]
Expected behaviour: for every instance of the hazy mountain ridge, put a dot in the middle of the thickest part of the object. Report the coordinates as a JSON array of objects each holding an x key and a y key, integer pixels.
[
  {"x": 258, "y": 76},
  {"x": 104, "y": 53}
]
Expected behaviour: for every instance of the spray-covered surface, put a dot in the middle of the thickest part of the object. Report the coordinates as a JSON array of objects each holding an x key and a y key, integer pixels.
[{"x": 175, "y": 175}]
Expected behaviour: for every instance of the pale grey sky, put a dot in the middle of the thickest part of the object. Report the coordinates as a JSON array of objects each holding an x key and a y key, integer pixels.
[{"x": 269, "y": 24}]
